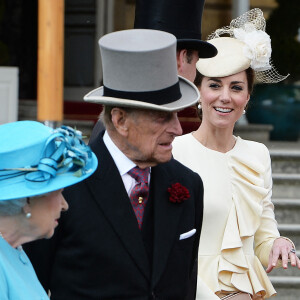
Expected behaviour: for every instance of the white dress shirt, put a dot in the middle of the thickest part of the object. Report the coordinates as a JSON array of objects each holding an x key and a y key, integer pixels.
[{"x": 123, "y": 163}]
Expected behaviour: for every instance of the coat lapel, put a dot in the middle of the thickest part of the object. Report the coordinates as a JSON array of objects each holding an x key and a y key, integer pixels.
[
  {"x": 110, "y": 194},
  {"x": 166, "y": 220}
]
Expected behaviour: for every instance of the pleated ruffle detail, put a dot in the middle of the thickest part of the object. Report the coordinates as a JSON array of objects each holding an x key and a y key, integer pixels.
[{"x": 236, "y": 269}]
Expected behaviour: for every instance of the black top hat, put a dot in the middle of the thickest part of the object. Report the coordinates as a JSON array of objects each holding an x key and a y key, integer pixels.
[{"x": 179, "y": 17}]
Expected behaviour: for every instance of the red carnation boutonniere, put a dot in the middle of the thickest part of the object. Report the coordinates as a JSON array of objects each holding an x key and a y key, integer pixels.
[{"x": 178, "y": 193}]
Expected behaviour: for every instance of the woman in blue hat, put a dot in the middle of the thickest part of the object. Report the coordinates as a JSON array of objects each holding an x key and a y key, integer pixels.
[{"x": 36, "y": 163}]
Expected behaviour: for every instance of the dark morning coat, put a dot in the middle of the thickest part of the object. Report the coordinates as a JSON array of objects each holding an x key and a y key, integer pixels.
[{"x": 98, "y": 252}]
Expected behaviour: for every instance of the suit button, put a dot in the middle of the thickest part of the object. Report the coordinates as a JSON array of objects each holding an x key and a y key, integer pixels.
[{"x": 153, "y": 295}]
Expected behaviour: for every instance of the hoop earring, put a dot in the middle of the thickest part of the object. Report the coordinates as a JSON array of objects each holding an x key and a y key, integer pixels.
[{"x": 28, "y": 215}]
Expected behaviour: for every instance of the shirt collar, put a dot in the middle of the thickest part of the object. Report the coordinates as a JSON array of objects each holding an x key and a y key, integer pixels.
[{"x": 123, "y": 163}]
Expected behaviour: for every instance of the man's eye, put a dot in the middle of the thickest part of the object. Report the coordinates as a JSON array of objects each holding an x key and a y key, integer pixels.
[{"x": 213, "y": 85}]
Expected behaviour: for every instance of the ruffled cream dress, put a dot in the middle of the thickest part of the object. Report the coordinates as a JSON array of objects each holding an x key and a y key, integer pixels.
[{"x": 239, "y": 227}]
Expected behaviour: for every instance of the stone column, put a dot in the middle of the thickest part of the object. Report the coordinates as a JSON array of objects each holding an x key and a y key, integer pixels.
[{"x": 239, "y": 7}]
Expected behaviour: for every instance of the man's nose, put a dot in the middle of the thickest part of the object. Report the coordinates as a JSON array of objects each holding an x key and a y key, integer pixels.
[{"x": 175, "y": 126}]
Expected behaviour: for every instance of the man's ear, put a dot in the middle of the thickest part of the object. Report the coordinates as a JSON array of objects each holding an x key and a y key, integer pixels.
[
  {"x": 119, "y": 118},
  {"x": 181, "y": 59}
]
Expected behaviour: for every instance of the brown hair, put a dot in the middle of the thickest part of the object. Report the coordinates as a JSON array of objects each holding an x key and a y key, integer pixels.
[{"x": 189, "y": 54}]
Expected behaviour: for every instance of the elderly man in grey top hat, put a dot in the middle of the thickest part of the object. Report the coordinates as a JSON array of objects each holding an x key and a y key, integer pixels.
[{"x": 132, "y": 230}]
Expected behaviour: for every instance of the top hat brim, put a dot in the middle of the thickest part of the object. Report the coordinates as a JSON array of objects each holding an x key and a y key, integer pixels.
[
  {"x": 205, "y": 49},
  {"x": 189, "y": 96}
]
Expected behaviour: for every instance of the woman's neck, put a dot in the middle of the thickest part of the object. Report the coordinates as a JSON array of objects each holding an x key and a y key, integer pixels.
[
  {"x": 218, "y": 139},
  {"x": 12, "y": 232}
]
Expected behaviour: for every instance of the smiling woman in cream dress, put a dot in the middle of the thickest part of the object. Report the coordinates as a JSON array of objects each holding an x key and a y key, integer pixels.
[{"x": 239, "y": 232}]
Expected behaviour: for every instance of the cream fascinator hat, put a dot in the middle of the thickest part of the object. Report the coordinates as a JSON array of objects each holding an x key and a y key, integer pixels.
[{"x": 248, "y": 46}]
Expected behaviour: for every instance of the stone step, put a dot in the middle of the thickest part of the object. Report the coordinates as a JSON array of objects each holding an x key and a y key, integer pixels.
[
  {"x": 286, "y": 185},
  {"x": 287, "y": 287},
  {"x": 287, "y": 211},
  {"x": 289, "y": 272},
  {"x": 253, "y": 132},
  {"x": 28, "y": 111},
  {"x": 285, "y": 161},
  {"x": 292, "y": 231}
]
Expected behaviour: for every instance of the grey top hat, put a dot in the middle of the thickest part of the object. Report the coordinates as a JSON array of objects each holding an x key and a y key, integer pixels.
[{"x": 140, "y": 70}]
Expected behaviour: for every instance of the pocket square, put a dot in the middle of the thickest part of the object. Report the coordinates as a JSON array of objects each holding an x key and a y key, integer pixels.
[{"x": 187, "y": 234}]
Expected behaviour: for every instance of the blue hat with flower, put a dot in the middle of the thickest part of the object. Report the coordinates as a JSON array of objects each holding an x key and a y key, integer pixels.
[{"x": 36, "y": 159}]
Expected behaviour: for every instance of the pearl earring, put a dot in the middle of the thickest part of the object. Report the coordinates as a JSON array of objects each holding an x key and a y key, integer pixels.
[
  {"x": 28, "y": 215},
  {"x": 244, "y": 111},
  {"x": 199, "y": 106}
]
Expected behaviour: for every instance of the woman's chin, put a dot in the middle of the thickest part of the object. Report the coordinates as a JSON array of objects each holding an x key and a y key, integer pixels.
[{"x": 49, "y": 235}]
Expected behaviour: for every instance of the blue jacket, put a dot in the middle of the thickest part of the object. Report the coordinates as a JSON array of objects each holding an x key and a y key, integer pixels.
[{"x": 18, "y": 280}]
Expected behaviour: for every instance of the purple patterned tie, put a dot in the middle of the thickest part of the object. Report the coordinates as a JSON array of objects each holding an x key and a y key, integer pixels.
[{"x": 139, "y": 194}]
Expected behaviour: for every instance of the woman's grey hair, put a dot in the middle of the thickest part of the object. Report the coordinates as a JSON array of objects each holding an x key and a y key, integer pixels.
[{"x": 12, "y": 207}]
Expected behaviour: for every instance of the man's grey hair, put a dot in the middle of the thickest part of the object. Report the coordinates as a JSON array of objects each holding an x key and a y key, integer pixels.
[
  {"x": 105, "y": 115},
  {"x": 12, "y": 207}
]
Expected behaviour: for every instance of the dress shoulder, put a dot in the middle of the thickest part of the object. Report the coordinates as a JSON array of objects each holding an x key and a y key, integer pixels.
[
  {"x": 258, "y": 148},
  {"x": 253, "y": 155},
  {"x": 176, "y": 169},
  {"x": 182, "y": 139}
]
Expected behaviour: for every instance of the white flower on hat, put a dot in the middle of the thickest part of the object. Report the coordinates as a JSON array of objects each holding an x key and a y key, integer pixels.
[{"x": 258, "y": 46}]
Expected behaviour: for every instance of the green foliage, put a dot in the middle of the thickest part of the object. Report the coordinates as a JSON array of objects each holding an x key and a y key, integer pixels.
[{"x": 282, "y": 26}]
